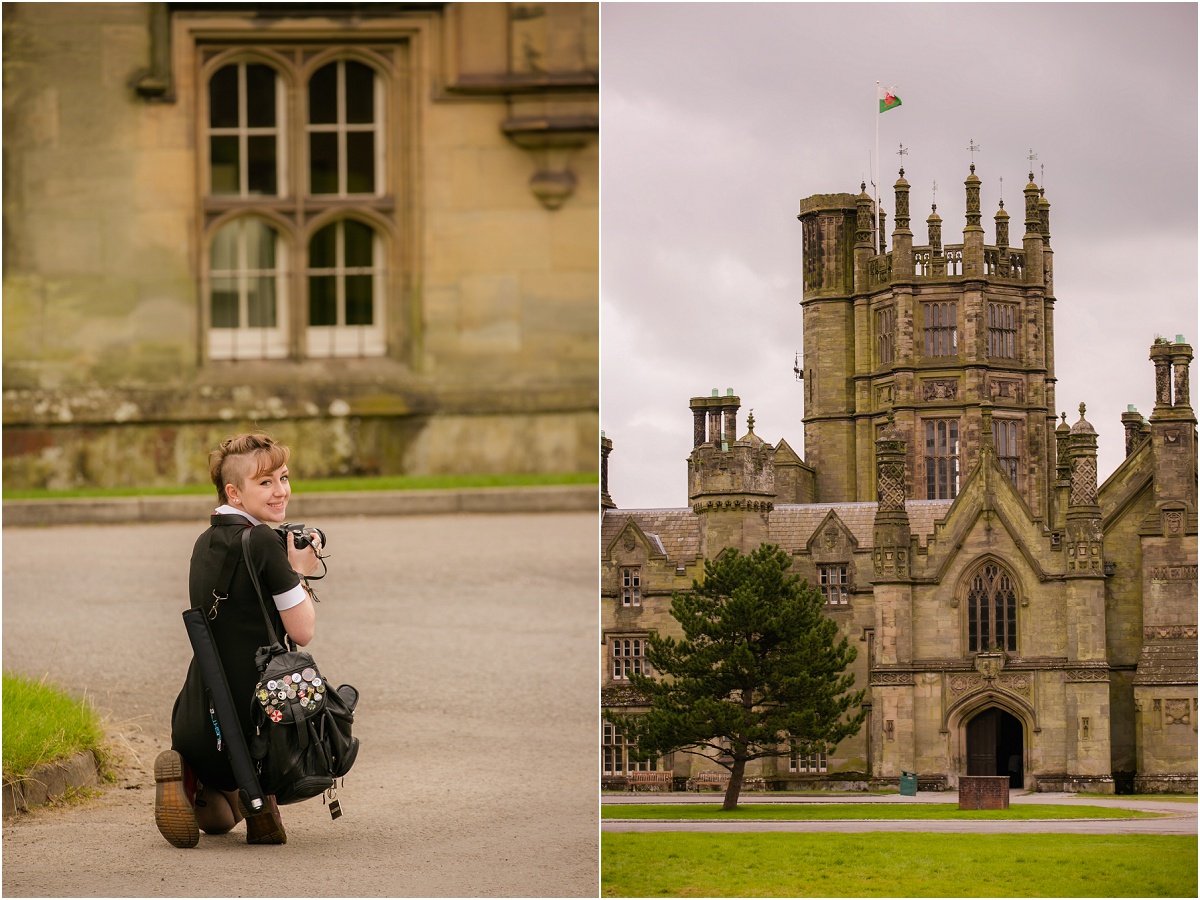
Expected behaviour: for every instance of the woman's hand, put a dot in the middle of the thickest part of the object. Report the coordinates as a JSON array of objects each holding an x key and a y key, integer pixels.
[{"x": 305, "y": 561}]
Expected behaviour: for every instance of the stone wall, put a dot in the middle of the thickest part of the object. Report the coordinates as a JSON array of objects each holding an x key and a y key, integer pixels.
[{"x": 491, "y": 235}]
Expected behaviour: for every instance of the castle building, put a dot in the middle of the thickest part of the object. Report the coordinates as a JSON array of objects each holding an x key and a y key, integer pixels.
[{"x": 1013, "y": 616}]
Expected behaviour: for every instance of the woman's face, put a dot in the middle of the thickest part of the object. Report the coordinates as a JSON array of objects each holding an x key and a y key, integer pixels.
[{"x": 265, "y": 497}]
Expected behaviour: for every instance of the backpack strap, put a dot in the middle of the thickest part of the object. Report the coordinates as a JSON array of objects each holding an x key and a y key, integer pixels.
[
  {"x": 229, "y": 566},
  {"x": 258, "y": 587}
]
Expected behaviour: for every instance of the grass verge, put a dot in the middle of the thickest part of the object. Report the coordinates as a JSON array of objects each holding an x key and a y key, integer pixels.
[
  {"x": 42, "y": 725},
  {"x": 897, "y": 865},
  {"x": 327, "y": 485},
  {"x": 825, "y": 811}
]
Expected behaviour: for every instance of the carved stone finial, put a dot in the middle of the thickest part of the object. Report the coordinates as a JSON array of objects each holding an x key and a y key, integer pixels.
[
  {"x": 750, "y": 421},
  {"x": 1082, "y": 410}
]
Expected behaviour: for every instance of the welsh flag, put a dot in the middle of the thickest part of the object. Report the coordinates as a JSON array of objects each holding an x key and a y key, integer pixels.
[{"x": 888, "y": 99}]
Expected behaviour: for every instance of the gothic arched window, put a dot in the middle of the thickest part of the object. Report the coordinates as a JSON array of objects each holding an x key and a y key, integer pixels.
[{"x": 992, "y": 610}]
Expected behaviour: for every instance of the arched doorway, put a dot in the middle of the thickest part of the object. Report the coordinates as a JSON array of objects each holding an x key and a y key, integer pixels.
[{"x": 996, "y": 745}]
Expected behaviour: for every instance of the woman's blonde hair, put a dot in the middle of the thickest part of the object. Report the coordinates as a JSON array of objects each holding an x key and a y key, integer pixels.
[{"x": 231, "y": 463}]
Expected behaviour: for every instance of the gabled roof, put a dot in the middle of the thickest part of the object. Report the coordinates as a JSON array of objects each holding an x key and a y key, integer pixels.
[
  {"x": 674, "y": 533},
  {"x": 677, "y": 531}
]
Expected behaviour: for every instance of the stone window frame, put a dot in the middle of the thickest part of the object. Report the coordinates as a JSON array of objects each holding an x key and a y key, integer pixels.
[
  {"x": 627, "y": 654},
  {"x": 295, "y": 55},
  {"x": 932, "y": 473},
  {"x": 842, "y": 586},
  {"x": 939, "y": 328},
  {"x": 614, "y": 753},
  {"x": 814, "y": 762},
  {"x": 630, "y": 586},
  {"x": 1004, "y": 328},
  {"x": 1007, "y": 435},
  {"x": 971, "y": 609},
  {"x": 885, "y": 335}
]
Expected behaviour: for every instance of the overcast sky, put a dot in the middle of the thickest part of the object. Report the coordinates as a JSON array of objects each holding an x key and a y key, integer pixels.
[{"x": 717, "y": 119}]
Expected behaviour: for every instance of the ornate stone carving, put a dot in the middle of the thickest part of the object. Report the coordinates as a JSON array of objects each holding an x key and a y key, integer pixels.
[
  {"x": 1083, "y": 482},
  {"x": 1173, "y": 573},
  {"x": 1014, "y": 683},
  {"x": 1177, "y": 712},
  {"x": 943, "y": 389},
  {"x": 832, "y": 537},
  {"x": 1162, "y": 381},
  {"x": 1006, "y": 389},
  {"x": 1174, "y": 521},
  {"x": 880, "y": 679},
  {"x": 1168, "y": 632},
  {"x": 989, "y": 665},
  {"x": 1081, "y": 676}
]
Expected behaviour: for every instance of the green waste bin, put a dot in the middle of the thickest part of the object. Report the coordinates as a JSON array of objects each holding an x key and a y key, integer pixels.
[{"x": 908, "y": 784}]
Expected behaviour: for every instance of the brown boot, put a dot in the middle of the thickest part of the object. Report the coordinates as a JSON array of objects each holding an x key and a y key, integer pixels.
[
  {"x": 174, "y": 809},
  {"x": 265, "y": 826}
]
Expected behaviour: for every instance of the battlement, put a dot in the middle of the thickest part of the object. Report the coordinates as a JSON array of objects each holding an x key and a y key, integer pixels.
[{"x": 841, "y": 256}]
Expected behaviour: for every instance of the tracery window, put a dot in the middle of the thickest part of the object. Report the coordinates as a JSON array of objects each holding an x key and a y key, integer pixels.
[
  {"x": 616, "y": 753},
  {"x": 1004, "y": 434},
  {"x": 256, "y": 103},
  {"x": 941, "y": 459},
  {"x": 991, "y": 610},
  {"x": 1002, "y": 330},
  {"x": 941, "y": 329},
  {"x": 885, "y": 327}
]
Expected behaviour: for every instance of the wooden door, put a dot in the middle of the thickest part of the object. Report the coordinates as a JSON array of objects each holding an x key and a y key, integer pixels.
[{"x": 982, "y": 741}]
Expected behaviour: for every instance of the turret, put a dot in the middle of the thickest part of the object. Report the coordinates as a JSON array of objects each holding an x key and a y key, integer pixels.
[
  {"x": 892, "y": 534},
  {"x": 1084, "y": 541},
  {"x": 731, "y": 483}
]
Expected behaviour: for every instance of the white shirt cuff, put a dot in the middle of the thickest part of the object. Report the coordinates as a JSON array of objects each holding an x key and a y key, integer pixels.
[{"x": 291, "y": 598}]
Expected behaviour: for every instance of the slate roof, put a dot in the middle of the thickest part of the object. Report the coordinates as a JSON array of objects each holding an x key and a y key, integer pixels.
[
  {"x": 676, "y": 532},
  {"x": 1167, "y": 662}
]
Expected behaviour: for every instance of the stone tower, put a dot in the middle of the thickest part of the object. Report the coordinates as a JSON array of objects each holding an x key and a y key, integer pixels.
[
  {"x": 731, "y": 483},
  {"x": 930, "y": 332}
]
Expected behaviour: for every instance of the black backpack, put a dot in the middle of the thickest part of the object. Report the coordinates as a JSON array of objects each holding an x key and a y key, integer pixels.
[{"x": 302, "y": 742}]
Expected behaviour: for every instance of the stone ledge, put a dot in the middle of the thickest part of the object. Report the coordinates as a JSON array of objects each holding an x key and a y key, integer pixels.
[
  {"x": 111, "y": 510},
  {"x": 50, "y": 781}
]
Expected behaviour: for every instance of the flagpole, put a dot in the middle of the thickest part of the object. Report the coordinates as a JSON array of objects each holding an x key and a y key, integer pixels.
[{"x": 875, "y": 180}]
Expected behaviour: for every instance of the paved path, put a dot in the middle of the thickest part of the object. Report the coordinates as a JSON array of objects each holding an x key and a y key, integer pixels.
[
  {"x": 1181, "y": 816},
  {"x": 466, "y": 636}
]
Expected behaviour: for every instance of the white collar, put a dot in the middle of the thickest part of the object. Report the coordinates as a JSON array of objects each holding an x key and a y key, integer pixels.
[{"x": 226, "y": 509}]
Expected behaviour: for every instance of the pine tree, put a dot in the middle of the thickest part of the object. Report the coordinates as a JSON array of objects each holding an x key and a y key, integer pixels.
[{"x": 759, "y": 669}]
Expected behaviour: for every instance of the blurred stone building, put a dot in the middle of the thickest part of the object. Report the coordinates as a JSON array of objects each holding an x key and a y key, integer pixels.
[
  {"x": 370, "y": 229},
  {"x": 1013, "y": 617}
]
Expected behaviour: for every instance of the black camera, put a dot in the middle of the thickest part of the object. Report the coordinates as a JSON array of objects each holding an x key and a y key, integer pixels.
[{"x": 300, "y": 538}]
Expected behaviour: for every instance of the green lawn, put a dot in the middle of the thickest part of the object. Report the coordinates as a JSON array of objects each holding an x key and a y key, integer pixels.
[
  {"x": 42, "y": 724},
  {"x": 896, "y": 865},
  {"x": 822, "y": 811},
  {"x": 328, "y": 485}
]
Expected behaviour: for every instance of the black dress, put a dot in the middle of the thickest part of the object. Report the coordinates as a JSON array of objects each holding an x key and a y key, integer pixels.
[{"x": 238, "y": 631}]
